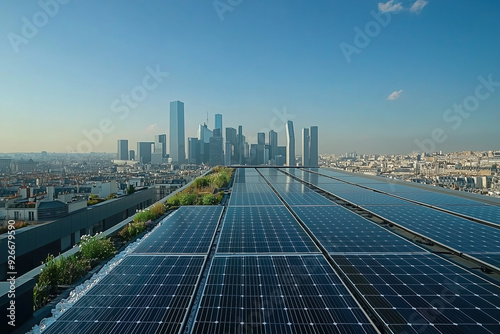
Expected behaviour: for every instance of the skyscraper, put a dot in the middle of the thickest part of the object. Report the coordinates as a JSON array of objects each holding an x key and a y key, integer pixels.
[
  {"x": 177, "y": 138},
  {"x": 144, "y": 152},
  {"x": 194, "y": 151},
  {"x": 306, "y": 142},
  {"x": 240, "y": 155},
  {"x": 273, "y": 144},
  {"x": 313, "y": 147},
  {"x": 231, "y": 149},
  {"x": 218, "y": 122},
  {"x": 290, "y": 144},
  {"x": 261, "y": 145},
  {"x": 122, "y": 149},
  {"x": 161, "y": 139}
]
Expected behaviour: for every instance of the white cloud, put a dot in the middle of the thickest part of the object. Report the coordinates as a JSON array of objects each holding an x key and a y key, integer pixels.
[
  {"x": 418, "y": 6},
  {"x": 389, "y": 6},
  {"x": 395, "y": 95},
  {"x": 151, "y": 128}
]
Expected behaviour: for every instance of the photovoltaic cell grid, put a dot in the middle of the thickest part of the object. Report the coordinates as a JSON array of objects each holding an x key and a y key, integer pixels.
[
  {"x": 485, "y": 212},
  {"x": 371, "y": 198},
  {"x": 340, "y": 230},
  {"x": 277, "y": 294},
  {"x": 300, "y": 194},
  {"x": 435, "y": 199},
  {"x": 143, "y": 294},
  {"x": 458, "y": 233},
  {"x": 423, "y": 293},
  {"x": 252, "y": 194},
  {"x": 269, "y": 229},
  {"x": 188, "y": 230}
]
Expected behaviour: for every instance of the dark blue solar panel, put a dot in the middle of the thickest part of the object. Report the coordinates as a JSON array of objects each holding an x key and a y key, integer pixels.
[
  {"x": 458, "y": 233},
  {"x": 371, "y": 198},
  {"x": 438, "y": 199},
  {"x": 143, "y": 294},
  {"x": 488, "y": 213},
  {"x": 340, "y": 230},
  {"x": 422, "y": 293},
  {"x": 277, "y": 295},
  {"x": 190, "y": 229},
  {"x": 262, "y": 230}
]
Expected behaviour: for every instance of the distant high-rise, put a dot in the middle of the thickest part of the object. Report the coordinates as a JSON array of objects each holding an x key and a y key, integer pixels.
[
  {"x": 161, "y": 139},
  {"x": 131, "y": 155},
  {"x": 261, "y": 144},
  {"x": 313, "y": 147},
  {"x": 204, "y": 135},
  {"x": 240, "y": 154},
  {"x": 273, "y": 144},
  {"x": 306, "y": 142},
  {"x": 218, "y": 122},
  {"x": 231, "y": 149},
  {"x": 290, "y": 144},
  {"x": 177, "y": 137},
  {"x": 122, "y": 149},
  {"x": 144, "y": 152},
  {"x": 194, "y": 151}
]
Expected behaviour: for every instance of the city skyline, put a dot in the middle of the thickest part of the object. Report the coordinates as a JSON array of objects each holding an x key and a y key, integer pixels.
[{"x": 381, "y": 77}]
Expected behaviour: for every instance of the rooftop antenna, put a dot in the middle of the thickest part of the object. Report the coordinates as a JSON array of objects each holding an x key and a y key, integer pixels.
[{"x": 207, "y": 118}]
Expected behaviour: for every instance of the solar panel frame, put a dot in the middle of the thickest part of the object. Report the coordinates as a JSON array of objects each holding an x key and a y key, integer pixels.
[
  {"x": 157, "y": 300},
  {"x": 342, "y": 231},
  {"x": 423, "y": 292},
  {"x": 189, "y": 230},
  {"x": 262, "y": 229},
  {"x": 277, "y": 294},
  {"x": 455, "y": 232}
]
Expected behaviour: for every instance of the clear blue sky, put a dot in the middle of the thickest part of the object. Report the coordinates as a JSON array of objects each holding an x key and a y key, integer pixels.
[{"x": 281, "y": 55}]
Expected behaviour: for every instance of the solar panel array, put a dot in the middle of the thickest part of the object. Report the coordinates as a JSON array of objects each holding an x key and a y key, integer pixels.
[
  {"x": 277, "y": 294},
  {"x": 268, "y": 276},
  {"x": 477, "y": 240},
  {"x": 268, "y": 229},
  {"x": 411, "y": 291},
  {"x": 340, "y": 230},
  {"x": 142, "y": 294},
  {"x": 422, "y": 293},
  {"x": 188, "y": 230}
]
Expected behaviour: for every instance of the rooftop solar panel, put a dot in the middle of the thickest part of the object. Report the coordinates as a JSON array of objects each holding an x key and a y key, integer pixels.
[
  {"x": 422, "y": 293},
  {"x": 262, "y": 230},
  {"x": 340, "y": 230},
  {"x": 488, "y": 213},
  {"x": 371, "y": 198},
  {"x": 277, "y": 295},
  {"x": 188, "y": 230},
  {"x": 455, "y": 232},
  {"x": 300, "y": 194},
  {"x": 438, "y": 199},
  {"x": 143, "y": 294}
]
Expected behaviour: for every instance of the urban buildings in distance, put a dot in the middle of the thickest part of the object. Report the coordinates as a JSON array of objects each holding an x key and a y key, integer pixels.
[{"x": 220, "y": 146}]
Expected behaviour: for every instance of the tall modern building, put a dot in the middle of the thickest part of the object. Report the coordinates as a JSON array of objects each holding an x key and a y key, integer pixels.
[
  {"x": 218, "y": 122},
  {"x": 194, "y": 151},
  {"x": 231, "y": 146},
  {"x": 131, "y": 155},
  {"x": 261, "y": 145},
  {"x": 144, "y": 152},
  {"x": 273, "y": 144},
  {"x": 290, "y": 144},
  {"x": 306, "y": 143},
  {"x": 161, "y": 139},
  {"x": 240, "y": 153},
  {"x": 177, "y": 137},
  {"x": 122, "y": 149},
  {"x": 204, "y": 135},
  {"x": 313, "y": 147}
]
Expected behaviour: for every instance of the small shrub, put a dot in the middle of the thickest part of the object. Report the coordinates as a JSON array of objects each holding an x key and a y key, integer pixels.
[
  {"x": 132, "y": 230},
  {"x": 95, "y": 248}
]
